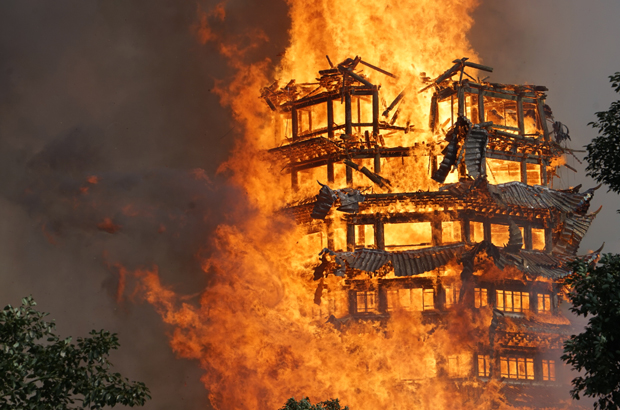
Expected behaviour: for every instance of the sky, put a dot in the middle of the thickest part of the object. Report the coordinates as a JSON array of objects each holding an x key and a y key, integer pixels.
[{"x": 122, "y": 91}]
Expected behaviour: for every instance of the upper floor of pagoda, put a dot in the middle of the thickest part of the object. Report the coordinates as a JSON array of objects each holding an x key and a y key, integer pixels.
[{"x": 451, "y": 126}]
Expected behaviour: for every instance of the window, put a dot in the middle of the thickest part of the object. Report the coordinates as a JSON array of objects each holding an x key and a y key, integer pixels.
[
  {"x": 403, "y": 236},
  {"x": 459, "y": 365},
  {"x": 365, "y": 236},
  {"x": 510, "y": 301},
  {"x": 452, "y": 295},
  {"x": 480, "y": 297},
  {"x": 366, "y": 302},
  {"x": 429, "y": 299},
  {"x": 416, "y": 299},
  {"x": 517, "y": 368},
  {"x": 476, "y": 231},
  {"x": 538, "y": 239},
  {"x": 544, "y": 302},
  {"x": 450, "y": 231},
  {"x": 453, "y": 366},
  {"x": 484, "y": 366},
  {"x": 548, "y": 370},
  {"x": 500, "y": 171},
  {"x": 500, "y": 234},
  {"x": 533, "y": 174}
]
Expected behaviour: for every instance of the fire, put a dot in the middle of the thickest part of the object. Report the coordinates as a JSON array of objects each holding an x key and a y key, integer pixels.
[{"x": 256, "y": 330}]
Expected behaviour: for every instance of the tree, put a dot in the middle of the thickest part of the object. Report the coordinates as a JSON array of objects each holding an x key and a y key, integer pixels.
[
  {"x": 304, "y": 404},
  {"x": 595, "y": 292},
  {"x": 604, "y": 150},
  {"x": 41, "y": 371}
]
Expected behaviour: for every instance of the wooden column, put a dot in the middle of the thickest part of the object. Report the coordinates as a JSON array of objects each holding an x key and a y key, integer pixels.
[
  {"x": 481, "y": 106},
  {"x": 379, "y": 235},
  {"x": 548, "y": 239},
  {"x": 436, "y": 233},
  {"x": 349, "y": 175},
  {"x": 543, "y": 173},
  {"x": 461, "y": 102},
  {"x": 543, "y": 118},
  {"x": 294, "y": 123},
  {"x": 329, "y": 226},
  {"x": 330, "y": 172},
  {"x": 347, "y": 110},
  {"x": 520, "y": 115},
  {"x": 294, "y": 179},
  {"x": 527, "y": 237},
  {"x": 375, "y": 112},
  {"x": 377, "y": 164},
  {"x": 487, "y": 230},
  {"x": 466, "y": 230},
  {"x": 523, "y": 171},
  {"x": 330, "y": 119},
  {"x": 350, "y": 237}
]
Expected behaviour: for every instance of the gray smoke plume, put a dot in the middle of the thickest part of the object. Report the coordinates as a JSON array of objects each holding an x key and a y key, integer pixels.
[
  {"x": 109, "y": 143},
  {"x": 570, "y": 47}
]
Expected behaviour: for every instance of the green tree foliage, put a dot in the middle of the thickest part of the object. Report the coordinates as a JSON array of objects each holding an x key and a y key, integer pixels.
[
  {"x": 38, "y": 370},
  {"x": 304, "y": 404},
  {"x": 595, "y": 293},
  {"x": 604, "y": 151}
]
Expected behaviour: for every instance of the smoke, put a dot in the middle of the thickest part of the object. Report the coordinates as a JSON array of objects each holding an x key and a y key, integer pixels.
[
  {"x": 110, "y": 136},
  {"x": 568, "y": 46}
]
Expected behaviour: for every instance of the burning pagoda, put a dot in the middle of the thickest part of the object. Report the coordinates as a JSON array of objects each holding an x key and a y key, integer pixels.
[{"x": 459, "y": 215}]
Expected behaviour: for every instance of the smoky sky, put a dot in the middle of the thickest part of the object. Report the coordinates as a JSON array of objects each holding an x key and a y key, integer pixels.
[
  {"x": 110, "y": 137},
  {"x": 107, "y": 119},
  {"x": 571, "y": 47}
]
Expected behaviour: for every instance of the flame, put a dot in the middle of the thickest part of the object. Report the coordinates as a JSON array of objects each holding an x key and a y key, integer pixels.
[{"x": 256, "y": 331}]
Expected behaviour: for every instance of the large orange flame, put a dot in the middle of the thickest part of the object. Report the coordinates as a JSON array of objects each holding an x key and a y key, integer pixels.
[{"x": 254, "y": 332}]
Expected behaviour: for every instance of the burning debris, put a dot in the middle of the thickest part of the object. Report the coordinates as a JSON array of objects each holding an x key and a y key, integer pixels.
[{"x": 484, "y": 231}]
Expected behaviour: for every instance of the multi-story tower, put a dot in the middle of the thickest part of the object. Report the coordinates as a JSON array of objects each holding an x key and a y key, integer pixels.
[{"x": 457, "y": 215}]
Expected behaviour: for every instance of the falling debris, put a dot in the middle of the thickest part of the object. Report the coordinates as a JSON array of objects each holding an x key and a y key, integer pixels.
[
  {"x": 349, "y": 201},
  {"x": 324, "y": 201}
]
